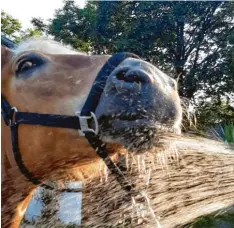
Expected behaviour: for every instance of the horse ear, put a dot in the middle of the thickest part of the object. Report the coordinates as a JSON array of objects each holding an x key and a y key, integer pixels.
[{"x": 5, "y": 55}]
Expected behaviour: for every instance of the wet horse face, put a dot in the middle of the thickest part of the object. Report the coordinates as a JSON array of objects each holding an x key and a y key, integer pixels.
[
  {"x": 139, "y": 104},
  {"x": 43, "y": 77}
]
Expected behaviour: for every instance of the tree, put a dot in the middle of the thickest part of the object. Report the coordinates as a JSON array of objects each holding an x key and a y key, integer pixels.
[
  {"x": 191, "y": 41},
  {"x": 10, "y": 27},
  {"x": 73, "y": 25},
  {"x": 30, "y": 33},
  {"x": 39, "y": 24},
  {"x": 188, "y": 40}
]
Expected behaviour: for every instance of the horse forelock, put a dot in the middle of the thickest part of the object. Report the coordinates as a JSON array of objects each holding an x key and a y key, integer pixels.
[{"x": 44, "y": 45}]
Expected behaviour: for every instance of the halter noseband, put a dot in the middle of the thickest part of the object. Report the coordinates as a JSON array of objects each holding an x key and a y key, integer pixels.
[{"x": 81, "y": 121}]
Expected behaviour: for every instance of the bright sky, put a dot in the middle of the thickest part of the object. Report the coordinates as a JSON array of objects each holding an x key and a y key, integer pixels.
[{"x": 24, "y": 10}]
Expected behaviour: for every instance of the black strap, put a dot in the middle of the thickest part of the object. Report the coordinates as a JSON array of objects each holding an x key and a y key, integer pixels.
[
  {"x": 101, "y": 150},
  {"x": 23, "y": 169},
  {"x": 91, "y": 105},
  {"x": 63, "y": 122},
  {"x": 5, "y": 110},
  {"x": 100, "y": 81},
  {"x": 49, "y": 120},
  {"x": 18, "y": 157},
  {"x": 13, "y": 119}
]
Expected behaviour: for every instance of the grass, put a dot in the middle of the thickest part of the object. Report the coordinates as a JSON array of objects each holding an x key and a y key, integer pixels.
[
  {"x": 213, "y": 221},
  {"x": 229, "y": 132}
]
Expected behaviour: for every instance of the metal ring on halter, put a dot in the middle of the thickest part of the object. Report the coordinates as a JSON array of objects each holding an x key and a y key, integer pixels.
[{"x": 12, "y": 112}]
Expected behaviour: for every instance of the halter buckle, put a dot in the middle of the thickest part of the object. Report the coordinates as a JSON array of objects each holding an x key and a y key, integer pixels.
[{"x": 84, "y": 127}]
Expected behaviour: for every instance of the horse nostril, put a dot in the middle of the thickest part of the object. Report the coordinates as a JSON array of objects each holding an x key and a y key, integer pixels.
[
  {"x": 121, "y": 75},
  {"x": 130, "y": 76}
]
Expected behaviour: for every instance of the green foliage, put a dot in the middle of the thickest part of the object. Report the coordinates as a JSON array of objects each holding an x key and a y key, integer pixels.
[
  {"x": 30, "y": 33},
  {"x": 73, "y": 25},
  {"x": 229, "y": 132},
  {"x": 12, "y": 28},
  {"x": 211, "y": 221},
  {"x": 39, "y": 24},
  {"x": 204, "y": 222},
  {"x": 215, "y": 111},
  {"x": 216, "y": 115},
  {"x": 191, "y": 41},
  {"x": 187, "y": 39}
]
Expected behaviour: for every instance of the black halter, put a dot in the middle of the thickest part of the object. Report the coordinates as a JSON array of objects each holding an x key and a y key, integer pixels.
[{"x": 81, "y": 121}]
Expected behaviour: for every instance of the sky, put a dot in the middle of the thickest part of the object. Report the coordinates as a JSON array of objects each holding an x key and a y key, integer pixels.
[{"x": 24, "y": 10}]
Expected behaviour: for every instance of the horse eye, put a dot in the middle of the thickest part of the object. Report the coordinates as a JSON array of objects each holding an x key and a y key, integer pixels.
[
  {"x": 25, "y": 65},
  {"x": 28, "y": 64}
]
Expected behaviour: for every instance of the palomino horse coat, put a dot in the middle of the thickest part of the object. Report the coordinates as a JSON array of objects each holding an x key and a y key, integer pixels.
[{"x": 138, "y": 102}]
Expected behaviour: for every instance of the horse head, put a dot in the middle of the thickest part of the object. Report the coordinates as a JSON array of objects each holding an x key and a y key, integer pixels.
[{"x": 138, "y": 105}]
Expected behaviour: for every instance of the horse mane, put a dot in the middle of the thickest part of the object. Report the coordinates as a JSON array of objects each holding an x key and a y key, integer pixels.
[{"x": 45, "y": 45}]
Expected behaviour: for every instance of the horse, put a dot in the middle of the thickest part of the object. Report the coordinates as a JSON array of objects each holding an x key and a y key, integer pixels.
[{"x": 138, "y": 105}]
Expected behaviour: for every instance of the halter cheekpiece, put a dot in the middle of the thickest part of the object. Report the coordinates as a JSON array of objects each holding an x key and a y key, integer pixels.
[{"x": 81, "y": 121}]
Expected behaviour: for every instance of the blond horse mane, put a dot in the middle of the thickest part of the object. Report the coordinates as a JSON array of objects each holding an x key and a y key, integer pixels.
[{"x": 44, "y": 45}]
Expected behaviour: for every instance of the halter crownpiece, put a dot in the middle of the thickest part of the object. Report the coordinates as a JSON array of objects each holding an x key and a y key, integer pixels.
[{"x": 80, "y": 121}]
